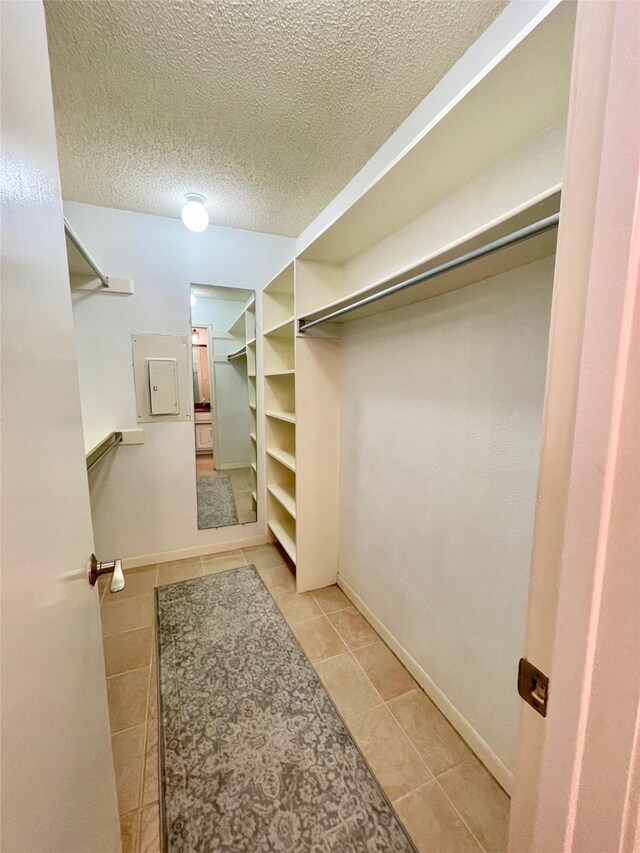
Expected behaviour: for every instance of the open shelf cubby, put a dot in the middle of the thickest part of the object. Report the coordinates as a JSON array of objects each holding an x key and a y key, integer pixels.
[
  {"x": 283, "y": 526},
  {"x": 277, "y": 299}
]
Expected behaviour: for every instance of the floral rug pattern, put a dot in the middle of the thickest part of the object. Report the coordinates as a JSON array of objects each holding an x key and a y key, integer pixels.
[{"x": 254, "y": 755}]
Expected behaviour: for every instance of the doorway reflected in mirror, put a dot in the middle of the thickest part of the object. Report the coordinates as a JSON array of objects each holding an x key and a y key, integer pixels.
[{"x": 223, "y": 347}]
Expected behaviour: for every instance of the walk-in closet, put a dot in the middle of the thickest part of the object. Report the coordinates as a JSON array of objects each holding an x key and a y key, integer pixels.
[
  {"x": 320, "y": 426},
  {"x": 403, "y": 440}
]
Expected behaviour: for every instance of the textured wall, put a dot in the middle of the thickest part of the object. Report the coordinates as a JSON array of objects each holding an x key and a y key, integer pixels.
[
  {"x": 267, "y": 108},
  {"x": 440, "y": 433}
]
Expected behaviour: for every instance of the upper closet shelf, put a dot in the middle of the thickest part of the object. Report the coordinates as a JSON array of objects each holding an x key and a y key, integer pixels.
[
  {"x": 515, "y": 102},
  {"x": 242, "y": 352},
  {"x": 523, "y": 236},
  {"x": 84, "y": 271}
]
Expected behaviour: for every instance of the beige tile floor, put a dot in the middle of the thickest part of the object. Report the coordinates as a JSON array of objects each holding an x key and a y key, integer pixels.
[{"x": 446, "y": 799}]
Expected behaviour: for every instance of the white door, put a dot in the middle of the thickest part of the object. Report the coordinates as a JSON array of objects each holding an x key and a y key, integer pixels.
[
  {"x": 58, "y": 786},
  {"x": 577, "y": 779}
]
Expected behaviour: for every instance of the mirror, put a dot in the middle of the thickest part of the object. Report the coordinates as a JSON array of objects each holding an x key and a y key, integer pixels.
[{"x": 223, "y": 347}]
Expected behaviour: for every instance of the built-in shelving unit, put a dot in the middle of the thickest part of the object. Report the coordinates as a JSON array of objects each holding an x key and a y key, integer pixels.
[
  {"x": 489, "y": 166},
  {"x": 280, "y": 408},
  {"x": 250, "y": 351}
]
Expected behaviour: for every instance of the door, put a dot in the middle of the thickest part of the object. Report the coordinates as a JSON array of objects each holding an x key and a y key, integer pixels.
[
  {"x": 58, "y": 787},
  {"x": 576, "y": 784}
]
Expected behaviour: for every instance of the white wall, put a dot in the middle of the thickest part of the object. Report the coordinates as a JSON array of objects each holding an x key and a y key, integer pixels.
[
  {"x": 219, "y": 313},
  {"x": 143, "y": 497},
  {"x": 441, "y": 408},
  {"x": 231, "y": 415}
]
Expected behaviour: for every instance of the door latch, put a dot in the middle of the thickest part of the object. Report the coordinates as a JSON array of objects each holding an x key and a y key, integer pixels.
[{"x": 533, "y": 686}]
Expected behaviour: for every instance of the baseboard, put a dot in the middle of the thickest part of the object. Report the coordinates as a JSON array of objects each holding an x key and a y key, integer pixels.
[
  {"x": 228, "y": 466},
  {"x": 494, "y": 765},
  {"x": 196, "y": 551}
]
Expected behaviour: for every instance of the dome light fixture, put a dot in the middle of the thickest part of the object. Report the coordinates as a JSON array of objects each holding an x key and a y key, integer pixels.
[{"x": 194, "y": 213}]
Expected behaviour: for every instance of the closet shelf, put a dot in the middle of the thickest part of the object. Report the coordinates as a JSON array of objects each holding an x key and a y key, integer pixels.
[
  {"x": 251, "y": 375},
  {"x": 282, "y": 330},
  {"x": 253, "y": 436},
  {"x": 501, "y": 112},
  {"x": 284, "y": 538},
  {"x": 252, "y": 406},
  {"x": 290, "y": 372},
  {"x": 254, "y": 496},
  {"x": 255, "y": 467},
  {"x": 237, "y": 328},
  {"x": 251, "y": 342},
  {"x": 522, "y": 236},
  {"x": 289, "y": 417},
  {"x": 284, "y": 458},
  {"x": 241, "y": 353},
  {"x": 284, "y": 498},
  {"x": 80, "y": 260}
]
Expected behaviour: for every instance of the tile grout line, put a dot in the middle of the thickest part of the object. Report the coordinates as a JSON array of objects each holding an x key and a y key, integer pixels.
[
  {"x": 434, "y": 778},
  {"x": 126, "y": 671}
]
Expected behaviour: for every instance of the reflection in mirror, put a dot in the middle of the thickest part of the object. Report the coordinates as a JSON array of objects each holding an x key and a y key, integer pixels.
[{"x": 223, "y": 345}]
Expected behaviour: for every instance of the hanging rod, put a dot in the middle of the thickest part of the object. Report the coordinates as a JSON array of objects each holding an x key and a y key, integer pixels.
[
  {"x": 539, "y": 227},
  {"x": 106, "y": 446},
  {"x": 71, "y": 234}
]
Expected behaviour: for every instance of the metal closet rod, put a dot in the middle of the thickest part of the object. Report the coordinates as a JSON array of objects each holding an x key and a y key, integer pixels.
[
  {"x": 71, "y": 234},
  {"x": 539, "y": 227},
  {"x": 103, "y": 448}
]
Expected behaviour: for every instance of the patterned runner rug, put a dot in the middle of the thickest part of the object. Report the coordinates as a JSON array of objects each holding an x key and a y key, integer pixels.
[
  {"x": 254, "y": 755},
  {"x": 216, "y": 504}
]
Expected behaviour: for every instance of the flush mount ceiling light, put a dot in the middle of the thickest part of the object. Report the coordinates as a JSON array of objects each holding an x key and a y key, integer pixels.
[{"x": 194, "y": 213}]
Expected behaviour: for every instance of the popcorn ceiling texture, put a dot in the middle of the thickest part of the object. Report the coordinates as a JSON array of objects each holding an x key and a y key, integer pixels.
[{"x": 266, "y": 107}]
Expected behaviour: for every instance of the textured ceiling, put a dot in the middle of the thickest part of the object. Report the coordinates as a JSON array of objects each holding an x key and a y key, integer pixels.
[{"x": 266, "y": 107}]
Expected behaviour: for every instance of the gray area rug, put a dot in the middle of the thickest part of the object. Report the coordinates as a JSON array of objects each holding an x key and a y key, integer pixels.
[
  {"x": 216, "y": 504},
  {"x": 254, "y": 755}
]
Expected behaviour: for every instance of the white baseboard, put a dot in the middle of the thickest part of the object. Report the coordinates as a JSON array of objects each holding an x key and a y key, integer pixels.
[
  {"x": 196, "y": 551},
  {"x": 228, "y": 466},
  {"x": 494, "y": 765}
]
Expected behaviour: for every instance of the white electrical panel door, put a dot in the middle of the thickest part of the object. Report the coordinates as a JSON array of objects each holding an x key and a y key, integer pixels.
[
  {"x": 163, "y": 386},
  {"x": 162, "y": 377}
]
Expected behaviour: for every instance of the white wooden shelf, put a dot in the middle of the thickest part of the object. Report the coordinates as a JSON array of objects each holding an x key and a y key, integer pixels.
[
  {"x": 516, "y": 255},
  {"x": 290, "y": 372},
  {"x": 283, "y": 457},
  {"x": 281, "y": 330},
  {"x": 253, "y": 436},
  {"x": 284, "y": 537},
  {"x": 252, "y": 406},
  {"x": 241, "y": 353},
  {"x": 237, "y": 328},
  {"x": 289, "y": 417},
  {"x": 255, "y": 467},
  {"x": 523, "y": 95},
  {"x": 284, "y": 498}
]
